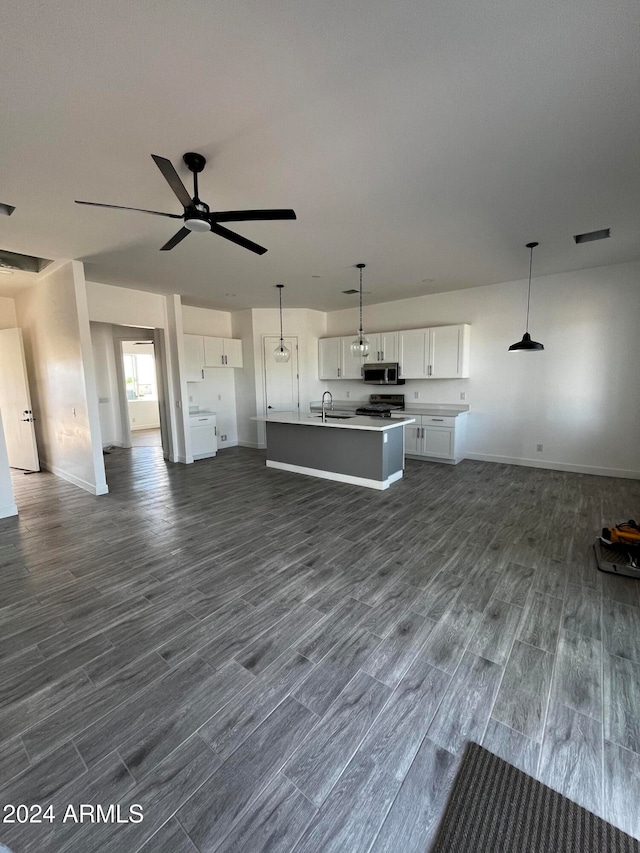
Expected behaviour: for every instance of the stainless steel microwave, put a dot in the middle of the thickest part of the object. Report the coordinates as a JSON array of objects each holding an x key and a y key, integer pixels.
[{"x": 384, "y": 373}]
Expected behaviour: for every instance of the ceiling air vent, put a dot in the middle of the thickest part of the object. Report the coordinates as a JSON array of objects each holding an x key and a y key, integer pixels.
[
  {"x": 25, "y": 263},
  {"x": 590, "y": 236},
  {"x": 6, "y": 209}
]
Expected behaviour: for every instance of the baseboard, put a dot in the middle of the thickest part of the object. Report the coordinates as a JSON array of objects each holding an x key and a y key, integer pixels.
[
  {"x": 226, "y": 444},
  {"x": 102, "y": 489},
  {"x": 623, "y": 473},
  {"x": 253, "y": 444},
  {"x": 8, "y": 510},
  {"x": 146, "y": 426}
]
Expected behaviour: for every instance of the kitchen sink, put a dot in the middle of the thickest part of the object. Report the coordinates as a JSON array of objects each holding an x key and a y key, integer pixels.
[{"x": 334, "y": 417}]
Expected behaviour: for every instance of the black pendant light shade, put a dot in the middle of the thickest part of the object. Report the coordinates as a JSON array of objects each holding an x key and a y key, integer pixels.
[
  {"x": 281, "y": 353},
  {"x": 526, "y": 344}
]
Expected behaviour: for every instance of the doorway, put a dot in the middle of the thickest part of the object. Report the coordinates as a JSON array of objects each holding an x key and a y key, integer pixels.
[
  {"x": 281, "y": 379},
  {"x": 142, "y": 408}
]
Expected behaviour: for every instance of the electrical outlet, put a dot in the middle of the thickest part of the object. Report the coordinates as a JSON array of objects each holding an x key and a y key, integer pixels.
[
  {"x": 223, "y": 438},
  {"x": 463, "y": 395},
  {"x": 416, "y": 395},
  {"x": 348, "y": 394},
  {"x": 539, "y": 448}
]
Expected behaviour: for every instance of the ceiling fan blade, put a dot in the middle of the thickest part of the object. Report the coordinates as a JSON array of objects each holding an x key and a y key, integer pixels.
[
  {"x": 173, "y": 179},
  {"x": 236, "y": 238},
  {"x": 177, "y": 238},
  {"x": 139, "y": 209},
  {"x": 247, "y": 215}
]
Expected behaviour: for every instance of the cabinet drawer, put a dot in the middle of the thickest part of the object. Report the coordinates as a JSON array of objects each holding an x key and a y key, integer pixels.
[
  {"x": 201, "y": 420},
  {"x": 436, "y": 420}
]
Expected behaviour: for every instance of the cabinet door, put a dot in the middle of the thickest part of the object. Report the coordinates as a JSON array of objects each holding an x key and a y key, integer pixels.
[
  {"x": 438, "y": 441},
  {"x": 388, "y": 343},
  {"x": 350, "y": 367},
  {"x": 203, "y": 439},
  {"x": 213, "y": 352},
  {"x": 383, "y": 346},
  {"x": 329, "y": 358},
  {"x": 194, "y": 357},
  {"x": 445, "y": 352},
  {"x": 232, "y": 352},
  {"x": 412, "y": 439},
  {"x": 413, "y": 350}
]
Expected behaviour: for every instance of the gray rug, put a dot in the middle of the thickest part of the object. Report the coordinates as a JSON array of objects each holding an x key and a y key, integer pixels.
[{"x": 496, "y": 808}]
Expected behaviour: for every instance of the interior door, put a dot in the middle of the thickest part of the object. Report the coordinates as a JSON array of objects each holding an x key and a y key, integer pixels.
[
  {"x": 281, "y": 379},
  {"x": 15, "y": 403}
]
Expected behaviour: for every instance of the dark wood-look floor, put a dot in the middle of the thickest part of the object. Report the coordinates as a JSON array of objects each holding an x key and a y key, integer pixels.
[{"x": 268, "y": 662}]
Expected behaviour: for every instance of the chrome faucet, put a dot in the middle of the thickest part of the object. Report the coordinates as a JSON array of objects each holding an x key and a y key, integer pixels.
[{"x": 324, "y": 411}]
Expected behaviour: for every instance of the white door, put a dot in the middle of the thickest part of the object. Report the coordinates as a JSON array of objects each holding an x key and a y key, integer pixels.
[
  {"x": 213, "y": 352},
  {"x": 281, "y": 379},
  {"x": 438, "y": 442},
  {"x": 15, "y": 403}
]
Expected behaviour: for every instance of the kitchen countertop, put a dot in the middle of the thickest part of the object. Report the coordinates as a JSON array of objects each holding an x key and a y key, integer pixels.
[
  {"x": 202, "y": 412},
  {"x": 348, "y": 406},
  {"x": 359, "y": 422}
]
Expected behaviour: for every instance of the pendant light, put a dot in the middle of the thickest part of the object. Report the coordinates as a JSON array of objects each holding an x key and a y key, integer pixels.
[
  {"x": 526, "y": 344},
  {"x": 281, "y": 353},
  {"x": 360, "y": 346}
]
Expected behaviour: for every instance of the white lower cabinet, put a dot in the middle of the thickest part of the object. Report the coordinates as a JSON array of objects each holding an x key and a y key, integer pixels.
[
  {"x": 204, "y": 436},
  {"x": 441, "y": 439}
]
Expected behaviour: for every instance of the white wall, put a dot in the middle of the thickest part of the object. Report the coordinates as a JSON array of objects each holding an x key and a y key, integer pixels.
[
  {"x": 217, "y": 392},
  {"x": 578, "y": 397},
  {"x": 206, "y": 321},
  {"x": 7, "y": 501},
  {"x": 53, "y": 315},
  {"x": 125, "y": 307},
  {"x": 252, "y": 326},
  {"x": 8, "y": 318},
  {"x": 107, "y": 384},
  {"x": 245, "y": 379}
]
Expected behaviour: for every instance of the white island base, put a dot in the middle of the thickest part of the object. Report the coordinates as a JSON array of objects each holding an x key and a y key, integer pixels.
[{"x": 360, "y": 451}]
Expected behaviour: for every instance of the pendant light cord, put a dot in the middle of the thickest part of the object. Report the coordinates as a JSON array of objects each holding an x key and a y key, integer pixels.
[
  {"x": 529, "y": 291},
  {"x": 280, "y": 295},
  {"x": 360, "y": 329}
]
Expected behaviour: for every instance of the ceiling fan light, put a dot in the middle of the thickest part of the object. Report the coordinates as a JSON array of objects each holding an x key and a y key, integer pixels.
[{"x": 197, "y": 225}]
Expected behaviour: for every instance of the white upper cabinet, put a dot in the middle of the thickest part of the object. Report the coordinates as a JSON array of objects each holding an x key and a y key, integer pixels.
[
  {"x": 194, "y": 358},
  {"x": 449, "y": 352},
  {"x": 441, "y": 352},
  {"x": 335, "y": 360},
  {"x": 413, "y": 346},
  {"x": 383, "y": 346},
  {"x": 222, "y": 352},
  {"x": 329, "y": 358},
  {"x": 350, "y": 367}
]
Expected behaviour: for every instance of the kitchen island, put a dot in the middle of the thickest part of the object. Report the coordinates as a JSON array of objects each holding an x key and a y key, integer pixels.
[{"x": 362, "y": 451}]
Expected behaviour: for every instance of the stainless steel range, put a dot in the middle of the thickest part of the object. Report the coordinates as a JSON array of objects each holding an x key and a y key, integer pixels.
[{"x": 381, "y": 405}]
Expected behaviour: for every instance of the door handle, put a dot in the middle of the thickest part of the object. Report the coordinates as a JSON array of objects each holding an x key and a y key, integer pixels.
[{"x": 28, "y": 420}]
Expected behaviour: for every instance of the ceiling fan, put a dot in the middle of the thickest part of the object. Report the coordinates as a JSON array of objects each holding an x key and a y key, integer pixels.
[{"x": 197, "y": 216}]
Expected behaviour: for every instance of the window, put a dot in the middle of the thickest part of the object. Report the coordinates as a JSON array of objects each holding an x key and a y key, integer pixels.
[{"x": 140, "y": 376}]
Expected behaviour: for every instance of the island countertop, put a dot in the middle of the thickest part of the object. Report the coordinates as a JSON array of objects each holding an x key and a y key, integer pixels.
[{"x": 359, "y": 422}]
